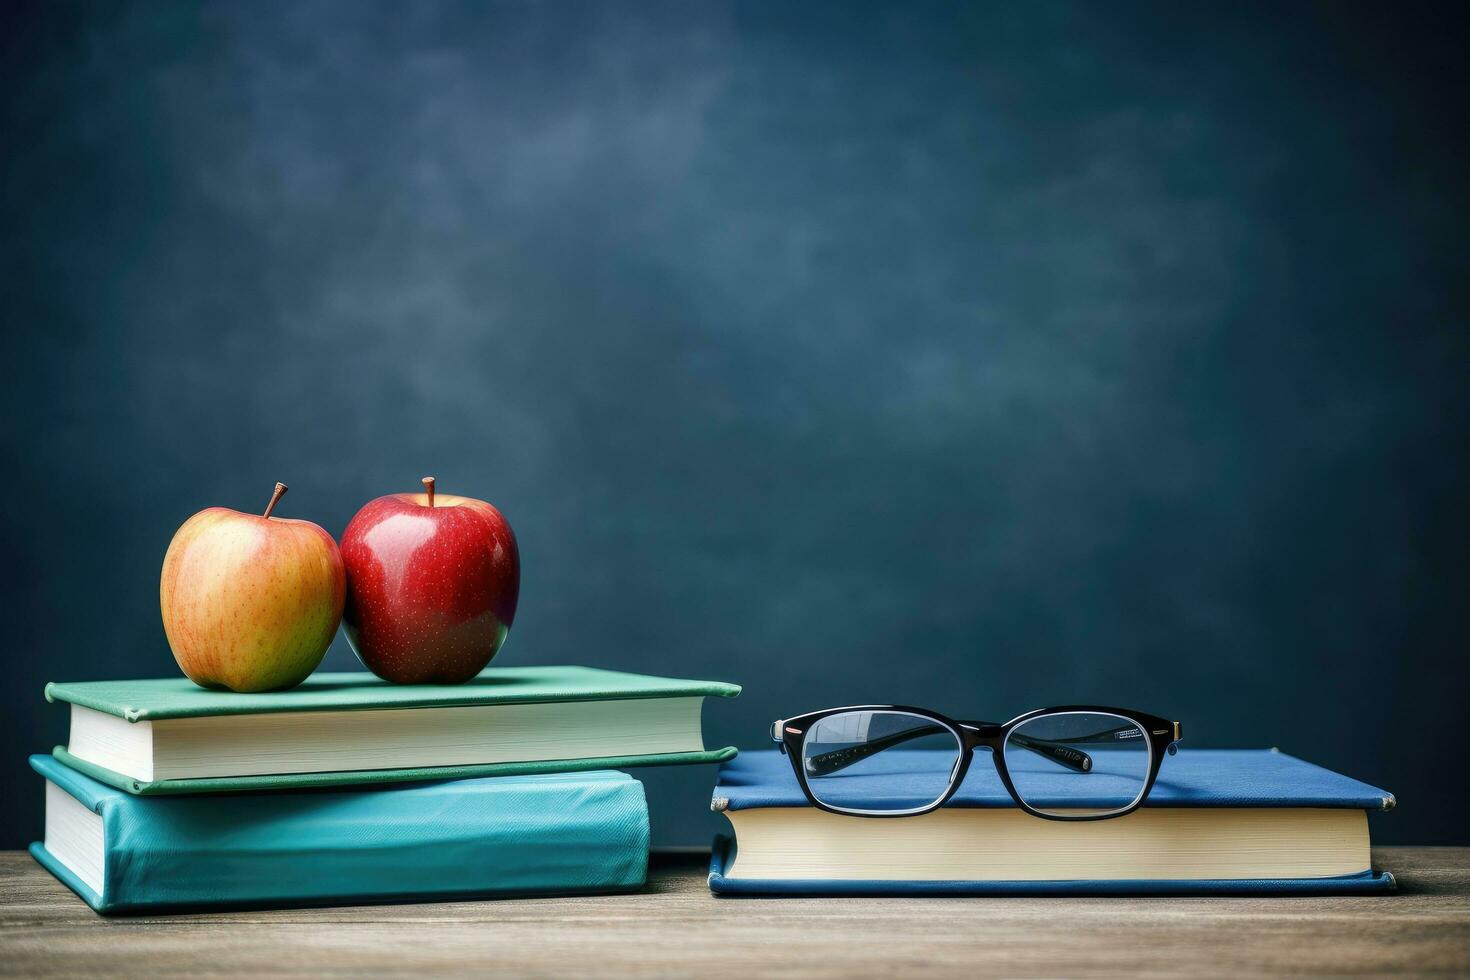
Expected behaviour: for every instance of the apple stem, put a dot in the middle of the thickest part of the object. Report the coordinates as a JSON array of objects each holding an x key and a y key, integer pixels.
[
  {"x": 428, "y": 483},
  {"x": 280, "y": 492}
]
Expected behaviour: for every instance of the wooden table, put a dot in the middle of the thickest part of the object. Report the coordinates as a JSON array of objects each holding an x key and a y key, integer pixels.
[{"x": 676, "y": 928}]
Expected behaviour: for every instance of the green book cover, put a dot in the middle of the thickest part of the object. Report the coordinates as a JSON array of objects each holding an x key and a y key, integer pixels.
[{"x": 179, "y": 699}]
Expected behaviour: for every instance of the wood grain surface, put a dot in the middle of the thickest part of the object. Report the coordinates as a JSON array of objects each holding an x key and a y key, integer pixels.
[{"x": 675, "y": 927}]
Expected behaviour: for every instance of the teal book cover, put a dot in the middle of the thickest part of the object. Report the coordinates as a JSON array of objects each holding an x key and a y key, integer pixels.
[{"x": 466, "y": 838}]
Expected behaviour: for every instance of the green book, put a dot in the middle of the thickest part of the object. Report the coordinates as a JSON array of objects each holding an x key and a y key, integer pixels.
[{"x": 339, "y": 729}]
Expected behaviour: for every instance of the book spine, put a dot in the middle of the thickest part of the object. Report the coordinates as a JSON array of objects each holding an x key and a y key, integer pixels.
[{"x": 465, "y": 838}]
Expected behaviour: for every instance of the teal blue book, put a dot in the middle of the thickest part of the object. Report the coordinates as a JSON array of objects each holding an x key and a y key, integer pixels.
[
  {"x": 1217, "y": 822},
  {"x": 484, "y": 837}
]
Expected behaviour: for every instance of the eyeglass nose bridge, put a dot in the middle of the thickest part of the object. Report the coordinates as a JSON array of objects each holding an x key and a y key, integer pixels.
[
  {"x": 975, "y": 735},
  {"x": 982, "y": 733}
]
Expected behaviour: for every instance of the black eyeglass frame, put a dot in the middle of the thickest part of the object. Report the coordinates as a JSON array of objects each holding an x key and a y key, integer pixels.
[{"x": 1162, "y": 734}]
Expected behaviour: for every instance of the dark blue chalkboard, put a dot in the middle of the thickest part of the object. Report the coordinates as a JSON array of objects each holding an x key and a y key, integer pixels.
[{"x": 965, "y": 355}]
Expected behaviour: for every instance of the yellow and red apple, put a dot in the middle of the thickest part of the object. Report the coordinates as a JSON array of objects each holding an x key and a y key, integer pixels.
[
  {"x": 432, "y": 585},
  {"x": 250, "y": 602}
]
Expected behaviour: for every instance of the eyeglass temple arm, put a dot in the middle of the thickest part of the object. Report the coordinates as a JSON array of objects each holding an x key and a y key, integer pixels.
[
  {"x": 1108, "y": 735},
  {"x": 839, "y": 759}
]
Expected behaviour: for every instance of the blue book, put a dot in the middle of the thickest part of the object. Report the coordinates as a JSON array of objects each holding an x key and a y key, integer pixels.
[
  {"x": 1216, "y": 822},
  {"x": 463, "y": 838}
]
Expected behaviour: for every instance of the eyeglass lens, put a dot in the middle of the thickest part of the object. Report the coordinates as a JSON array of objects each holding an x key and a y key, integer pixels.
[
  {"x": 879, "y": 761},
  {"x": 1078, "y": 763}
]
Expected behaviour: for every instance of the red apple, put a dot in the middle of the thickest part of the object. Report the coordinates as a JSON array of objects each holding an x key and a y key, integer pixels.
[
  {"x": 250, "y": 603},
  {"x": 432, "y": 584}
]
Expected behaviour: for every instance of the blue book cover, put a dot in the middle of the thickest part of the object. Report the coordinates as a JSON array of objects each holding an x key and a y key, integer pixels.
[
  {"x": 464, "y": 838},
  {"x": 1194, "y": 779}
]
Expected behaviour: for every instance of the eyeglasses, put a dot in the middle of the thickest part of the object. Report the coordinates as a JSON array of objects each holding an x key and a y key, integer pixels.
[{"x": 1070, "y": 763}]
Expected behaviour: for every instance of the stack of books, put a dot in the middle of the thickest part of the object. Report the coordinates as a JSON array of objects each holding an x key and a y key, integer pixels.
[
  {"x": 1217, "y": 821},
  {"x": 350, "y": 789}
]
